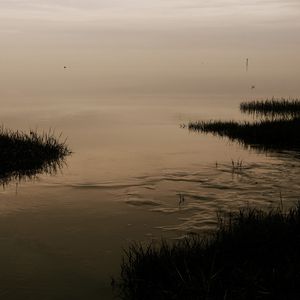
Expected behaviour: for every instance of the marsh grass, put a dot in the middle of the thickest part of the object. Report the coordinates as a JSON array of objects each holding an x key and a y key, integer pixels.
[
  {"x": 273, "y": 108},
  {"x": 282, "y": 134},
  {"x": 23, "y": 155},
  {"x": 277, "y": 130},
  {"x": 254, "y": 254}
]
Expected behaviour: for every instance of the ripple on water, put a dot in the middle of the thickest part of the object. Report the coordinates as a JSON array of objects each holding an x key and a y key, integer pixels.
[
  {"x": 142, "y": 202},
  {"x": 196, "y": 198}
]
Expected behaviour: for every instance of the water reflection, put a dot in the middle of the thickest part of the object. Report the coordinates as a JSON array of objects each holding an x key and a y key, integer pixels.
[{"x": 48, "y": 168}]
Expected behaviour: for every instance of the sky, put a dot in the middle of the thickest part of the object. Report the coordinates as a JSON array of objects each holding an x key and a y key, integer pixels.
[
  {"x": 148, "y": 45},
  {"x": 139, "y": 11}
]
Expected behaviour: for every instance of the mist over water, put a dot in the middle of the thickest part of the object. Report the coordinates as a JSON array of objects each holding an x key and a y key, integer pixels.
[
  {"x": 135, "y": 71},
  {"x": 142, "y": 47}
]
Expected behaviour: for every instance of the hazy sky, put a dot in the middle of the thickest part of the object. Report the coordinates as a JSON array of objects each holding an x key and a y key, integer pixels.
[
  {"x": 265, "y": 11},
  {"x": 149, "y": 45}
]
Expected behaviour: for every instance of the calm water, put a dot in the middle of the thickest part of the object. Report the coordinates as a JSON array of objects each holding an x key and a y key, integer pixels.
[{"x": 129, "y": 84}]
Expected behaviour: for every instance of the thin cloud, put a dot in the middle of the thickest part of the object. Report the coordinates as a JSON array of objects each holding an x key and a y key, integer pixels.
[{"x": 163, "y": 11}]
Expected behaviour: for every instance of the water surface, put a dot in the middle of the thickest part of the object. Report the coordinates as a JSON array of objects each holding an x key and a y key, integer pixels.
[{"x": 134, "y": 73}]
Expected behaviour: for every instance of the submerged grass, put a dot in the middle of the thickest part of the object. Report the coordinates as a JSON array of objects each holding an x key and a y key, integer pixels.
[
  {"x": 273, "y": 108},
  {"x": 27, "y": 154},
  {"x": 253, "y": 255}
]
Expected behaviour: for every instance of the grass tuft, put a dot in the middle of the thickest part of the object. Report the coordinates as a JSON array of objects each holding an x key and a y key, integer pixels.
[
  {"x": 27, "y": 154},
  {"x": 253, "y": 255},
  {"x": 282, "y": 134}
]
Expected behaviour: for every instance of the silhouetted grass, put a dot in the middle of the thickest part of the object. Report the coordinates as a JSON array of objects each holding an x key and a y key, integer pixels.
[
  {"x": 252, "y": 255},
  {"x": 23, "y": 154},
  {"x": 282, "y": 134},
  {"x": 273, "y": 108}
]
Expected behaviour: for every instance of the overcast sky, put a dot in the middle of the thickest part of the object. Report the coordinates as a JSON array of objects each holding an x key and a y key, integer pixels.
[
  {"x": 153, "y": 43},
  {"x": 262, "y": 10}
]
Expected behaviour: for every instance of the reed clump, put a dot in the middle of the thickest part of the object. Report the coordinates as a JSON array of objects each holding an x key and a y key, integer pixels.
[
  {"x": 280, "y": 134},
  {"x": 277, "y": 130},
  {"x": 253, "y": 254},
  {"x": 273, "y": 108},
  {"x": 26, "y": 154}
]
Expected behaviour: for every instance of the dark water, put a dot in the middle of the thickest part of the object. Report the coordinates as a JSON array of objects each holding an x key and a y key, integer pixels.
[{"x": 62, "y": 235}]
